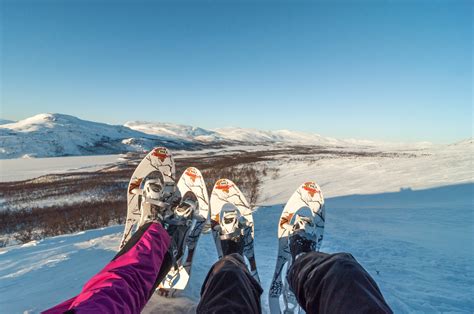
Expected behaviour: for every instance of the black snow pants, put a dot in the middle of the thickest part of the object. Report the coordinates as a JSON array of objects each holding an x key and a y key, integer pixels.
[
  {"x": 322, "y": 283},
  {"x": 334, "y": 283},
  {"x": 229, "y": 288}
]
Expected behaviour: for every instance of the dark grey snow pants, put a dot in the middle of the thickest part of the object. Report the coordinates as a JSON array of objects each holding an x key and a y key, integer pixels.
[{"x": 322, "y": 283}]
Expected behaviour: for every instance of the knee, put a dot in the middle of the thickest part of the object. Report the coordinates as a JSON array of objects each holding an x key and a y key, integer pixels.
[
  {"x": 229, "y": 263},
  {"x": 233, "y": 258},
  {"x": 344, "y": 263},
  {"x": 342, "y": 257}
]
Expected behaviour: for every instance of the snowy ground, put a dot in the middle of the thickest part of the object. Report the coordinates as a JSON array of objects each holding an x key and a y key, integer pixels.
[
  {"x": 338, "y": 175},
  {"x": 416, "y": 244},
  {"x": 408, "y": 220},
  {"x": 28, "y": 168}
]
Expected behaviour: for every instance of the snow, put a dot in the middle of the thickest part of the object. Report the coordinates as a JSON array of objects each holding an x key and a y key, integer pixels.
[
  {"x": 27, "y": 168},
  {"x": 407, "y": 219},
  {"x": 29, "y": 275},
  {"x": 412, "y": 242},
  {"x": 362, "y": 175}
]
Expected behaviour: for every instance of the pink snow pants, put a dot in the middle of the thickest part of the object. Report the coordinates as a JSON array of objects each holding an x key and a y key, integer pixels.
[{"x": 128, "y": 281}]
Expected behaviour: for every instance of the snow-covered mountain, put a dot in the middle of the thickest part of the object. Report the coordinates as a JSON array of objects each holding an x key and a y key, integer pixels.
[{"x": 47, "y": 135}]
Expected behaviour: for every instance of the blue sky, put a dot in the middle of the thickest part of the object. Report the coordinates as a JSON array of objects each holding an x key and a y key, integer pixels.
[{"x": 389, "y": 70}]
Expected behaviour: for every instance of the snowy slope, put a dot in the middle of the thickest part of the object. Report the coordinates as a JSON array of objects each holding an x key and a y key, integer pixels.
[
  {"x": 408, "y": 220},
  {"x": 47, "y": 135},
  {"x": 440, "y": 165}
]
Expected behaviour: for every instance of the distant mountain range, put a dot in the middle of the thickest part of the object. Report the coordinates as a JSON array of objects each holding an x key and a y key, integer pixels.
[
  {"x": 47, "y": 135},
  {"x": 230, "y": 135},
  {"x": 4, "y": 121}
]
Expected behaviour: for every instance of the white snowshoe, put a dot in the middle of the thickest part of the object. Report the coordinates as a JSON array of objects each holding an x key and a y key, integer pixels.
[
  {"x": 293, "y": 226},
  {"x": 189, "y": 218},
  {"x": 157, "y": 168},
  {"x": 232, "y": 223}
]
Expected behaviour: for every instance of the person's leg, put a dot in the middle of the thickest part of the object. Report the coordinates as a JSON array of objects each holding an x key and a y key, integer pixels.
[
  {"x": 230, "y": 288},
  {"x": 128, "y": 281},
  {"x": 334, "y": 283}
]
